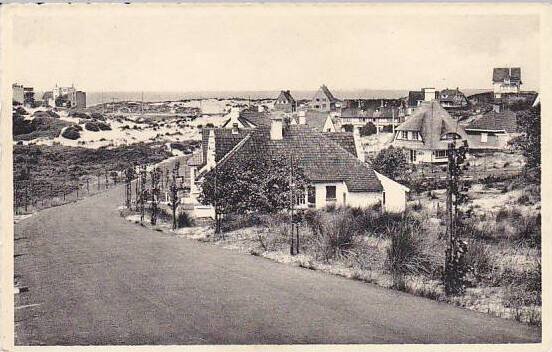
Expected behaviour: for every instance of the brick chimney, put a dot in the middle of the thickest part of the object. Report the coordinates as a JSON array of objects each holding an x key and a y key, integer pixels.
[{"x": 276, "y": 128}]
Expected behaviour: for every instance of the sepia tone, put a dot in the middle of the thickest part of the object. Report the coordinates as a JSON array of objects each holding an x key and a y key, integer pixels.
[{"x": 274, "y": 174}]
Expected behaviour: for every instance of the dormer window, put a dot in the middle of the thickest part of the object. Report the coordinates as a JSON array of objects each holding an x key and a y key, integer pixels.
[{"x": 450, "y": 136}]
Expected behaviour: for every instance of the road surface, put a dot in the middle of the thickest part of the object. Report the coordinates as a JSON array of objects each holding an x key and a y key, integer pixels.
[{"x": 94, "y": 278}]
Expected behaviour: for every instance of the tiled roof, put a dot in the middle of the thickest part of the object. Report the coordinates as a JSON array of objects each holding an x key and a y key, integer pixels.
[
  {"x": 345, "y": 139},
  {"x": 316, "y": 119},
  {"x": 225, "y": 140},
  {"x": 414, "y": 97},
  {"x": 196, "y": 159},
  {"x": 432, "y": 121},
  {"x": 321, "y": 158},
  {"x": 450, "y": 95},
  {"x": 286, "y": 95},
  {"x": 495, "y": 121},
  {"x": 328, "y": 94},
  {"x": 502, "y": 73}
]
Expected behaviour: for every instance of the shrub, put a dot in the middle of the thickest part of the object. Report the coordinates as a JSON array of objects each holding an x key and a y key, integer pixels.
[
  {"x": 391, "y": 162},
  {"x": 104, "y": 126},
  {"x": 368, "y": 129},
  {"x": 335, "y": 236},
  {"x": 92, "y": 126},
  {"x": 406, "y": 254},
  {"x": 71, "y": 133},
  {"x": 183, "y": 219},
  {"x": 478, "y": 258}
]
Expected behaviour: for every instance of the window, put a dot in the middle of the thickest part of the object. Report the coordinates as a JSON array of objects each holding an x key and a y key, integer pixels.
[
  {"x": 300, "y": 197},
  {"x": 404, "y": 134},
  {"x": 450, "y": 136},
  {"x": 484, "y": 138},
  {"x": 311, "y": 195},
  {"x": 412, "y": 156},
  {"x": 331, "y": 194},
  {"x": 441, "y": 154}
]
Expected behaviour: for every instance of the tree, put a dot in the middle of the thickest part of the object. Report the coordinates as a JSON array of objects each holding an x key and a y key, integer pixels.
[
  {"x": 368, "y": 129},
  {"x": 456, "y": 267},
  {"x": 529, "y": 143},
  {"x": 348, "y": 127},
  {"x": 391, "y": 162},
  {"x": 252, "y": 183}
]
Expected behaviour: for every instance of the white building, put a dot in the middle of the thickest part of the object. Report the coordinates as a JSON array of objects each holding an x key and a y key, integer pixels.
[{"x": 329, "y": 161}]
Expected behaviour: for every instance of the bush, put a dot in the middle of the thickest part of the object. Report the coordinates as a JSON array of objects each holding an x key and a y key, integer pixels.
[
  {"x": 368, "y": 129},
  {"x": 391, "y": 162},
  {"x": 406, "y": 254},
  {"x": 104, "y": 126},
  {"x": 92, "y": 126},
  {"x": 334, "y": 236},
  {"x": 183, "y": 219},
  {"x": 478, "y": 258},
  {"x": 71, "y": 132}
]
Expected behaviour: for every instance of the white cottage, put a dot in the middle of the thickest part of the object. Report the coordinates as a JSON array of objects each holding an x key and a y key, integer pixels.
[{"x": 330, "y": 161}]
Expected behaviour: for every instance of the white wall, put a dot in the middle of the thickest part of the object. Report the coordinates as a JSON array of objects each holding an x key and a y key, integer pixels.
[
  {"x": 395, "y": 194},
  {"x": 320, "y": 188},
  {"x": 364, "y": 199}
]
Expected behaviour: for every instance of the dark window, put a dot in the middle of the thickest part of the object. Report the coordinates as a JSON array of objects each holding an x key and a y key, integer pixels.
[
  {"x": 311, "y": 195},
  {"x": 330, "y": 193}
]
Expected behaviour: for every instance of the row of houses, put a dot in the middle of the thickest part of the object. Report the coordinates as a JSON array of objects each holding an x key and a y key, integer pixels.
[{"x": 332, "y": 161}]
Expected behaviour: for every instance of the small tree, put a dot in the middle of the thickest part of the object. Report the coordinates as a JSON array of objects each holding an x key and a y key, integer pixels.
[
  {"x": 155, "y": 176},
  {"x": 173, "y": 193},
  {"x": 391, "y": 162},
  {"x": 368, "y": 129},
  {"x": 529, "y": 143},
  {"x": 348, "y": 127},
  {"x": 254, "y": 182}
]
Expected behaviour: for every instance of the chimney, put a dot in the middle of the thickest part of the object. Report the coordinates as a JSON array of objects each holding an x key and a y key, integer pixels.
[
  {"x": 302, "y": 118},
  {"x": 429, "y": 94},
  {"x": 276, "y": 128},
  {"x": 235, "y": 128}
]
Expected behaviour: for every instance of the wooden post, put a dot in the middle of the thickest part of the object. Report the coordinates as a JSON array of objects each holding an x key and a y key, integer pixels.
[{"x": 291, "y": 204}]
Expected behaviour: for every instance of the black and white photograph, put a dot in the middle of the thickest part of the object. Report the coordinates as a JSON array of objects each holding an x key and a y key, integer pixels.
[{"x": 274, "y": 174}]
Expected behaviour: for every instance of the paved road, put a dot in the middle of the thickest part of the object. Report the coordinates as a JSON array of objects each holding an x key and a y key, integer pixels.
[{"x": 95, "y": 279}]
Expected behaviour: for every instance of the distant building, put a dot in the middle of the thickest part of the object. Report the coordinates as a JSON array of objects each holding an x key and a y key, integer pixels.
[
  {"x": 416, "y": 98},
  {"x": 452, "y": 98},
  {"x": 427, "y": 133},
  {"x": 18, "y": 95},
  {"x": 28, "y": 96},
  {"x": 506, "y": 80},
  {"x": 323, "y": 100},
  {"x": 319, "y": 121},
  {"x": 285, "y": 102},
  {"x": 77, "y": 99},
  {"x": 492, "y": 130},
  {"x": 380, "y": 112}
]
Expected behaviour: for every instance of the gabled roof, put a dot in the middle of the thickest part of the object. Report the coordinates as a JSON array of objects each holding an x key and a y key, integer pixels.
[
  {"x": 432, "y": 121},
  {"x": 414, "y": 97},
  {"x": 451, "y": 95},
  {"x": 321, "y": 158},
  {"x": 327, "y": 93},
  {"x": 225, "y": 140},
  {"x": 495, "y": 121},
  {"x": 286, "y": 95},
  {"x": 500, "y": 74},
  {"x": 346, "y": 140},
  {"x": 316, "y": 119},
  {"x": 196, "y": 159}
]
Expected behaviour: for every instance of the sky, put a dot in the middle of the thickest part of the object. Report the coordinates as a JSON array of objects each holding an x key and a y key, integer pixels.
[{"x": 268, "y": 48}]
